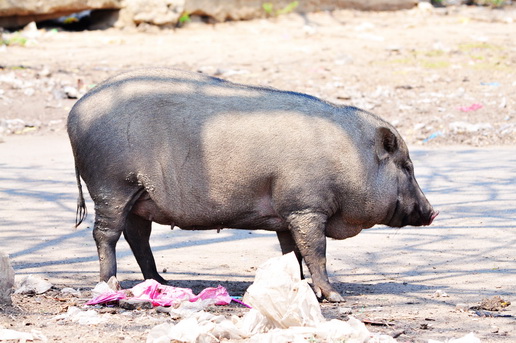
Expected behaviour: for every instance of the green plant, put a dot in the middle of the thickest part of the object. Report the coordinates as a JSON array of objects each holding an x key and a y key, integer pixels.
[
  {"x": 289, "y": 8},
  {"x": 184, "y": 18},
  {"x": 268, "y": 7},
  {"x": 492, "y": 3},
  {"x": 16, "y": 39}
]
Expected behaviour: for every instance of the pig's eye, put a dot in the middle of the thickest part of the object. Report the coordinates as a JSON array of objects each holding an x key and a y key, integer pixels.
[{"x": 407, "y": 167}]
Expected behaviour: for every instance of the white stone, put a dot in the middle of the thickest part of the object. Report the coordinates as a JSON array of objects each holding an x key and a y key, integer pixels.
[{"x": 6, "y": 280}]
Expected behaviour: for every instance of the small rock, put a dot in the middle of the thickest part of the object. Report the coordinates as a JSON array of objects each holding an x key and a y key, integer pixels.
[
  {"x": 440, "y": 294},
  {"x": 6, "y": 280},
  {"x": 345, "y": 310},
  {"x": 45, "y": 72},
  {"x": 462, "y": 307},
  {"x": 114, "y": 284},
  {"x": 135, "y": 304},
  {"x": 14, "y": 125},
  {"x": 29, "y": 91}
]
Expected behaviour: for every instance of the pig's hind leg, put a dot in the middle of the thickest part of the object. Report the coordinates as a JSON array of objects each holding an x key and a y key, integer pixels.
[
  {"x": 137, "y": 233},
  {"x": 288, "y": 245},
  {"x": 109, "y": 224}
]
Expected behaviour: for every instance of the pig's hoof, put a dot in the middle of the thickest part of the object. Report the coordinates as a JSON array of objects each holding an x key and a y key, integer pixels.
[{"x": 334, "y": 297}]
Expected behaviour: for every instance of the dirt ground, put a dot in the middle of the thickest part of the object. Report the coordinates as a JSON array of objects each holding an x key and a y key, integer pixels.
[{"x": 443, "y": 77}]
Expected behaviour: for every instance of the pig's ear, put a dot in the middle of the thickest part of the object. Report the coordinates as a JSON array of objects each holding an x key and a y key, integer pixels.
[{"x": 386, "y": 142}]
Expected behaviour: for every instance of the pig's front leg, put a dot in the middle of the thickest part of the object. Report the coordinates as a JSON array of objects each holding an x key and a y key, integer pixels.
[{"x": 308, "y": 231}]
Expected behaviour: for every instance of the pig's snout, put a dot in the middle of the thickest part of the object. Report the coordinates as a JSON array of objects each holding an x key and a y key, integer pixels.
[
  {"x": 419, "y": 215},
  {"x": 433, "y": 214},
  {"x": 426, "y": 217}
]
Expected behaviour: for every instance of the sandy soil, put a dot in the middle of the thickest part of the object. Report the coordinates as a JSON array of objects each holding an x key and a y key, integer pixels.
[{"x": 443, "y": 77}]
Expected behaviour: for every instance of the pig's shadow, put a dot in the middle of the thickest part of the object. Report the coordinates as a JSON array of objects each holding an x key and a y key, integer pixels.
[
  {"x": 354, "y": 289},
  {"x": 238, "y": 288}
]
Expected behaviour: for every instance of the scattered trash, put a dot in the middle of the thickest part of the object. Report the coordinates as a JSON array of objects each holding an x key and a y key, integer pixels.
[
  {"x": 32, "y": 285},
  {"x": 158, "y": 294},
  {"x": 433, "y": 136},
  {"x": 470, "y": 108},
  {"x": 280, "y": 295},
  {"x": 492, "y": 84},
  {"x": 75, "y": 314},
  {"x": 185, "y": 308},
  {"x": 462, "y": 127},
  {"x": 6, "y": 280},
  {"x": 13, "y": 335},
  {"x": 285, "y": 309},
  {"x": 71, "y": 291},
  {"x": 495, "y": 303},
  {"x": 71, "y": 92},
  {"x": 440, "y": 294}
]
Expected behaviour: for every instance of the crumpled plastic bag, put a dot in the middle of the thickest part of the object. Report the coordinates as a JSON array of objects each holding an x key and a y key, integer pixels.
[
  {"x": 32, "y": 285},
  {"x": 159, "y": 295},
  {"x": 280, "y": 295},
  {"x": 13, "y": 335}
]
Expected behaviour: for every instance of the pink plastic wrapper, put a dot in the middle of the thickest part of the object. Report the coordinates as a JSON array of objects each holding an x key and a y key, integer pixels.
[
  {"x": 473, "y": 107},
  {"x": 162, "y": 295}
]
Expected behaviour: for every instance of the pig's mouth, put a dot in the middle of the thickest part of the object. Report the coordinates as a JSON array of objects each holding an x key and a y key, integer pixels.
[{"x": 414, "y": 218}]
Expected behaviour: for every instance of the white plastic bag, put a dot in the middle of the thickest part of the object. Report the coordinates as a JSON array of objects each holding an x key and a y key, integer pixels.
[{"x": 280, "y": 295}]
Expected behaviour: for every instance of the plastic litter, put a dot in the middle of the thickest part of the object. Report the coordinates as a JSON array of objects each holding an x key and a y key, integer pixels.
[
  {"x": 280, "y": 295},
  {"x": 159, "y": 295},
  {"x": 75, "y": 314},
  {"x": 470, "y": 108},
  {"x": 33, "y": 285},
  {"x": 433, "y": 136},
  {"x": 462, "y": 127},
  {"x": 13, "y": 335},
  {"x": 285, "y": 309},
  {"x": 492, "y": 84}
]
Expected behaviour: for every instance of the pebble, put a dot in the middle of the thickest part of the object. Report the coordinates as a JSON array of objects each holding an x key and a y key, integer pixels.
[
  {"x": 462, "y": 307},
  {"x": 135, "y": 304}
]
